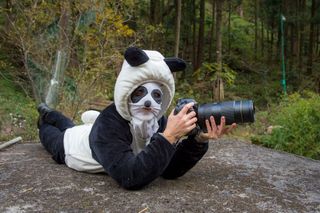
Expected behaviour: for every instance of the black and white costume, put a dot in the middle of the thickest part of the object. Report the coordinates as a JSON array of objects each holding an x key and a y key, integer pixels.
[{"x": 119, "y": 142}]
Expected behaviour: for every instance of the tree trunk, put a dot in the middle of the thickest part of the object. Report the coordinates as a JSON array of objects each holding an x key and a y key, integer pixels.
[
  {"x": 186, "y": 8},
  {"x": 194, "y": 36},
  {"x": 311, "y": 38},
  {"x": 271, "y": 41},
  {"x": 218, "y": 89},
  {"x": 155, "y": 14},
  {"x": 318, "y": 42},
  {"x": 291, "y": 55},
  {"x": 294, "y": 35},
  {"x": 211, "y": 33},
  {"x": 301, "y": 34},
  {"x": 200, "y": 36},
  {"x": 255, "y": 29},
  {"x": 8, "y": 15},
  {"x": 229, "y": 27},
  {"x": 240, "y": 10},
  {"x": 178, "y": 22},
  {"x": 262, "y": 38},
  {"x": 63, "y": 26}
]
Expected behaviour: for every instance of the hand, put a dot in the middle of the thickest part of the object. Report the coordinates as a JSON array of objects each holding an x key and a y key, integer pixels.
[
  {"x": 180, "y": 124},
  {"x": 214, "y": 131}
]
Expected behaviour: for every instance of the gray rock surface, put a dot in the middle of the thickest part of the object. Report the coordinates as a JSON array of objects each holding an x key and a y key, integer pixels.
[{"x": 233, "y": 176}]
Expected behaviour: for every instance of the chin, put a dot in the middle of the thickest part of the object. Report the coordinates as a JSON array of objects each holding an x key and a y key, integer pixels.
[{"x": 145, "y": 116}]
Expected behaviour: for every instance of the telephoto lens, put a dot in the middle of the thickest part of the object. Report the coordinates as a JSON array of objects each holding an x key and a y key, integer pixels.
[{"x": 234, "y": 112}]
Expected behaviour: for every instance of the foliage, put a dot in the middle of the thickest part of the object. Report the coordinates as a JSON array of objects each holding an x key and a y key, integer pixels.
[
  {"x": 17, "y": 113},
  {"x": 91, "y": 33},
  {"x": 241, "y": 37},
  {"x": 297, "y": 122},
  {"x": 98, "y": 57},
  {"x": 208, "y": 73},
  {"x": 202, "y": 80}
]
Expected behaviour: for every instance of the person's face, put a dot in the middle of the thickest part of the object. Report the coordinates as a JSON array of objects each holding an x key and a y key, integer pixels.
[{"x": 145, "y": 101}]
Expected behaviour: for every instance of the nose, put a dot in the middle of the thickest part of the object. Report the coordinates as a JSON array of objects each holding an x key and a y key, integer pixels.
[{"x": 147, "y": 103}]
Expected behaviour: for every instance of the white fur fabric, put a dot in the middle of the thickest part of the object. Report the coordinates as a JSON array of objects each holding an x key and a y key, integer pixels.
[
  {"x": 144, "y": 124},
  {"x": 154, "y": 70},
  {"x": 89, "y": 117}
]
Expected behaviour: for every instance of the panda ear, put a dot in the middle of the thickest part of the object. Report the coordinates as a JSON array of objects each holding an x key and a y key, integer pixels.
[
  {"x": 135, "y": 56},
  {"x": 175, "y": 64}
]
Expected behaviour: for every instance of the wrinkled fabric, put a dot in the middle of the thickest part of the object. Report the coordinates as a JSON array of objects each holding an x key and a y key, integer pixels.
[{"x": 110, "y": 141}]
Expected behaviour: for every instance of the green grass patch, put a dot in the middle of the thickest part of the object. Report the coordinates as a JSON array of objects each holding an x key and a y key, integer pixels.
[{"x": 18, "y": 114}]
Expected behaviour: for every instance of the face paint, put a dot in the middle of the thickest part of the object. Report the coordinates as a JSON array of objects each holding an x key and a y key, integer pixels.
[
  {"x": 138, "y": 94},
  {"x": 145, "y": 101},
  {"x": 157, "y": 95}
]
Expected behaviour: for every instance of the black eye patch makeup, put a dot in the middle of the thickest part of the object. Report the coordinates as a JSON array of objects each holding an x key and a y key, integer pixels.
[
  {"x": 157, "y": 95},
  {"x": 138, "y": 94}
]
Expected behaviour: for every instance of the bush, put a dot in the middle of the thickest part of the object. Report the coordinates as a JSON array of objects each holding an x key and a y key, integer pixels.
[{"x": 298, "y": 121}]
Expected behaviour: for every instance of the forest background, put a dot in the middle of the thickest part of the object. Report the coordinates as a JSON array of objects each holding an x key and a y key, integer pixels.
[{"x": 264, "y": 50}]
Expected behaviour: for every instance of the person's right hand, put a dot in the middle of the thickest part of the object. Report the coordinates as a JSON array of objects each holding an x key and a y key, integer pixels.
[{"x": 180, "y": 124}]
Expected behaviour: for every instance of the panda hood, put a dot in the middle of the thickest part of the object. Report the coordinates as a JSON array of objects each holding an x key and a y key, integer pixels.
[{"x": 143, "y": 66}]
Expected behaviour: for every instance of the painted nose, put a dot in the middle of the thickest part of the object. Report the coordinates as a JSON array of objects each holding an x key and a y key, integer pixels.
[{"x": 147, "y": 103}]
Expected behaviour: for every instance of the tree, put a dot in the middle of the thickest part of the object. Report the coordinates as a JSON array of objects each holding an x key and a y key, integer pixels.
[
  {"x": 211, "y": 32},
  {"x": 93, "y": 33},
  {"x": 155, "y": 12},
  {"x": 255, "y": 29},
  {"x": 200, "y": 48},
  {"x": 229, "y": 26},
  {"x": 177, "y": 29},
  {"x": 311, "y": 37},
  {"x": 218, "y": 88},
  {"x": 194, "y": 35}
]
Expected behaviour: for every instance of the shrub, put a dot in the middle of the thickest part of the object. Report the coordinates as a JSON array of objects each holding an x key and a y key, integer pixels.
[{"x": 298, "y": 121}]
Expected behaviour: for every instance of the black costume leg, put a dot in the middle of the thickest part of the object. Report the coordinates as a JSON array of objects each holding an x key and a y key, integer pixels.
[
  {"x": 51, "y": 133},
  {"x": 58, "y": 120},
  {"x": 52, "y": 139}
]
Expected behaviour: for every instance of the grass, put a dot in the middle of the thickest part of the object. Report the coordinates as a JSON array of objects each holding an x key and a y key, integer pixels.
[{"x": 18, "y": 114}]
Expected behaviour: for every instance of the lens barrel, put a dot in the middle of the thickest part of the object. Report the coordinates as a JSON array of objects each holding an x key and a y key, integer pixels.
[{"x": 234, "y": 111}]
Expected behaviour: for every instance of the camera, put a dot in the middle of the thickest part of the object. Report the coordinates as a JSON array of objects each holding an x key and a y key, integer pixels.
[{"x": 241, "y": 111}]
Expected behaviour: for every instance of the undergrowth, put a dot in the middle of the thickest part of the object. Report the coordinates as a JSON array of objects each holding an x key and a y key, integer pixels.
[
  {"x": 295, "y": 123},
  {"x": 17, "y": 113}
]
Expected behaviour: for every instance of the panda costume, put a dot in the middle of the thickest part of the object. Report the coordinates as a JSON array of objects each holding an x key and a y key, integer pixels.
[{"x": 125, "y": 140}]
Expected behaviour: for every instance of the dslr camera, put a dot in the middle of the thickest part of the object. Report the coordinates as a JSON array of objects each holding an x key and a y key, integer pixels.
[{"x": 241, "y": 111}]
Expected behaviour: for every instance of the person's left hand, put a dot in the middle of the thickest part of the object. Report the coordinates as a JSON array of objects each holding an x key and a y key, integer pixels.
[{"x": 213, "y": 131}]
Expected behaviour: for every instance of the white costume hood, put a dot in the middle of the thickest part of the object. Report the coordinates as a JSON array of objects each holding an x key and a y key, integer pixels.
[{"x": 142, "y": 66}]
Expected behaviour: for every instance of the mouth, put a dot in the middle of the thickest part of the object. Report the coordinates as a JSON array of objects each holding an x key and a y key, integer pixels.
[{"x": 148, "y": 109}]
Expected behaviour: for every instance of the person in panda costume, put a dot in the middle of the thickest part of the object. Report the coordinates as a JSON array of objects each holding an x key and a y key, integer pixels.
[{"x": 131, "y": 140}]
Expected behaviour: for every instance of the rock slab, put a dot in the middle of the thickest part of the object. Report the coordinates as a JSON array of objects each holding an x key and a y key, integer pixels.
[{"x": 233, "y": 176}]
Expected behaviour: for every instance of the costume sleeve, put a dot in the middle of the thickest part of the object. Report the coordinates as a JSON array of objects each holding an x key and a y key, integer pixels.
[
  {"x": 110, "y": 140},
  {"x": 188, "y": 153}
]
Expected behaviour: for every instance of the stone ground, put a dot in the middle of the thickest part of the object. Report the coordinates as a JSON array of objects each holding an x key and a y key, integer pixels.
[{"x": 233, "y": 176}]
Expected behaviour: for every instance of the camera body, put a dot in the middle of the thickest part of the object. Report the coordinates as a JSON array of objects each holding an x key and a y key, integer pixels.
[{"x": 234, "y": 112}]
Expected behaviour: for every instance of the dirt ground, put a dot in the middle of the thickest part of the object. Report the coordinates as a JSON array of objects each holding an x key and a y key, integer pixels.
[{"x": 233, "y": 176}]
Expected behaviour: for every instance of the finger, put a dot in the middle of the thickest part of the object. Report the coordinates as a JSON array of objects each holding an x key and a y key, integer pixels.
[
  {"x": 221, "y": 126},
  {"x": 171, "y": 114},
  {"x": 186, "y": 108},
  {"x": 209, "y": 127},
  {"x": 229, "y": 129},
  {"x": 191, "y": 115},
  {"x": 233, "y": 126},
  {"x": 189, "y": 128},
  {"x": 213, "y": 123},
  {"x": 191, "y": 121}
]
